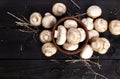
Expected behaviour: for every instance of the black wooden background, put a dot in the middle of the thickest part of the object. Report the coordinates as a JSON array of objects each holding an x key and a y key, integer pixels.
[{"x": 20, "y": 53}]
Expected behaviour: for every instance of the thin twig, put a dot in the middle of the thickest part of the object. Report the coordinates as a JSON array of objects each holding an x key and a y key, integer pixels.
[
  {"x": 75, "y": 4},
  {"x": 15, "y": 17},
  {"x": 78, "y": 15}
]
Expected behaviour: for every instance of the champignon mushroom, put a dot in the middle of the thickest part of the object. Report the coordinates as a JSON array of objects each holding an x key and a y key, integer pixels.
[
  {"x": 48, "y": 20},
  {"x": 48, "y": 49},
  {"x": 87, "y": 52},
  {"x": 45, "y": 36},
  {"x": 70, "y": 24},
  {"x": 97, "y": 44},
  {"x": 59, "y": 9},
  {"x": 88, "y": 22},
  {"x": 114, "y": 27},
  {"x": 61, "y": 39},
  {"x": 73, "y": 36},
  {"x": 35, "y": 19},
  {"x": 94, "y": 11},
  {"x": 100, "y": 45},
  {"x": 101, "y": 25},
  {"x": 70, "y": 47},
  {"x": 106, "y": 46},
  {"x": 82, "y": 34},
  {"x": 93, "y": 33}
]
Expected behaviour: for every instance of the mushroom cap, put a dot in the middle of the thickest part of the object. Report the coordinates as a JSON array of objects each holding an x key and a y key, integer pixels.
[
  {"x": 35, "y": 19},
  {"x": 45, "y": 36},
  {"x": 87, "y": 52},
  {"x": 73, "y": 36},
  {"x": 101, "y": 25},
  {"x": 48, "y": 20},
  {"x": 114, "y": 27},
  {"x": 97, "y": 45},
  {"x": 70, "y": 47},
  {"x": 93, "y": 33},
  {"x": 106, "y": 46},
  {"x": 88, "y": 22},
  {"x": 82, "y": 34},
  {"x": 61, "y": 39},
  {"x": 100, "y": 45},
  {"x": 94, "y": 11},
  {"x": 59, "y": 9},
  {"x": 49, "y": 49},
  {"x": 70, "y": 24}
]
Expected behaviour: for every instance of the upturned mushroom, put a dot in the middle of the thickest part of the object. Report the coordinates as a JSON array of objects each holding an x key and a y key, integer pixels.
[
  {"x": 48, "y": 49},
  {"x": 100, "y": 45},
  {"x": 94, "y": 11},
  {"x": 93, "y": 33},
  {"x": 88, "y": 22},
  {"x": 70, "y": 24},
  {"x": 45, "y": 36},
  {"x": 82, "y": 34},
  {"x": 87, "y": 52},
  {"x": 35, "y": 19},
  {"x": 48, "y": 20},
  {"x": 73, "y": 36},
  {"x": 61, "y": 37},
  {"x": 70, "y": 47},
  {"x": 114, "y": 27},
  {"x": 59, "y": 9},
  {"x": 97, "y": 44},
  {"x": 101, "y": 25}
]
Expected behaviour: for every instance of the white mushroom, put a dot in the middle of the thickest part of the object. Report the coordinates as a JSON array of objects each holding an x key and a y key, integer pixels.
[
  {"x": 35, "y": 19},
  {"x": 73, "y": 36},
  {"x": 59, "y": 9},
  {"x": 100, "y": 45},
  {"x": 61, "y": 39},
  {"x": 106, "y": 46},
  {"x": 48, "y": 20},
  {"x": 93, "y": 33},
  {"x": 70, "y": 47},
  {"x": 87, "y": 52},
  {"x": 70, "y": 24},
  {"x": 101, "y": 25},
  {"x": 94, "y": 11},
  {"x": 88, "y": 22},
  {"x": 45, "y": 36},
  {"x": 82, "y": 34},
  {"x": 97, "y": 44},
  {"x": 114, "y": 27},
  {"x": 49, "y": 49}
]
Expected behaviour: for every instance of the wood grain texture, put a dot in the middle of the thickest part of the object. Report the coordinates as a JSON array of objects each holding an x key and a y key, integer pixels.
[{"x": 21, "y": 56}]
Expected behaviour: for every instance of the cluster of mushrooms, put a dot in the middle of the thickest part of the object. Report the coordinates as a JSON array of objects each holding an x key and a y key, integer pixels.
[{"x": 69, "y": 35}]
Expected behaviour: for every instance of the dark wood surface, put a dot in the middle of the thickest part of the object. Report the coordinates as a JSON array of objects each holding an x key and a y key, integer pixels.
[{"x": 20, "y": 53}]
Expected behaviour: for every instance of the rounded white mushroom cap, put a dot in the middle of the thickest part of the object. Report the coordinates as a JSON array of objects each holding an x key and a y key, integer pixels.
[
  {"x": 70, "y": 47},
  {"x": 48, "y": 20},
  {"x": 93, "y": 33},
  {"x": 61, "y": 37},
  {"x": 73, "y": 36},
  {"x": 49, "y": 49},
  {"x": 45, "y": 36},
  {"x": 106, "y": 46},
  {"x": 82, "y": 34},
  {"x": 114, "y": 27},
  {"x": 70, "y": 24},
  {"x": 101, "y": 25},
  {"x": 94, "y": 11},
  {"x": 59, "y": 9},
  {"x": 35, "y": 19},
  {"x": 88, "y": 22},
  {"x": 100, "y": 45},
  {"x": 87, "y": 52}
]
